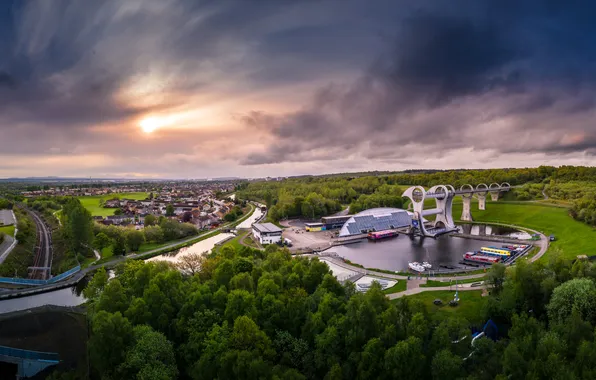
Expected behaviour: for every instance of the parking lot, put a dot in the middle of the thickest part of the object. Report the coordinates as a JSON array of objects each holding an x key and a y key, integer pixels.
[{"x": 308, "y": 240}]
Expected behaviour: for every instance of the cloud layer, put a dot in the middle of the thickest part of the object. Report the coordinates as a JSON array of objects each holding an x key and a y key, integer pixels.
[
  {"x": 503, "y": 78},
  {"x": 267, "y": 87}
]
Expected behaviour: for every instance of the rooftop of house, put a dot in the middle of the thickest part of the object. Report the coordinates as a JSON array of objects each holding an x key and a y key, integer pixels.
[{"x": 266, "y": 227}]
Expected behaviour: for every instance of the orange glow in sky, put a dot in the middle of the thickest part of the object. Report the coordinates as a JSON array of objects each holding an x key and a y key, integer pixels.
[{"x": 150, "y": 124}]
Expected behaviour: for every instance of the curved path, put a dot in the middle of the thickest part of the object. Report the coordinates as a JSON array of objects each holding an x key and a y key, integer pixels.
[{"x": 409, "y": 292}]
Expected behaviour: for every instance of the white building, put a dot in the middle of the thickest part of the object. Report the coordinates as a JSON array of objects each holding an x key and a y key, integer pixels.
[{"x": 266, "y": 233}]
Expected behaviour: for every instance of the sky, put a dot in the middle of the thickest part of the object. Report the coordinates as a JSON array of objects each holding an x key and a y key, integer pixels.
[{"x": 254, "y": 88}]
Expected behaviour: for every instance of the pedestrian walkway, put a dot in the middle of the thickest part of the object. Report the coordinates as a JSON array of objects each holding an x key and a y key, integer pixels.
[
  {"x": 411, "y": 291},
  {"x": 6, "y": 247},
  {"x": 415, "y": 283}
]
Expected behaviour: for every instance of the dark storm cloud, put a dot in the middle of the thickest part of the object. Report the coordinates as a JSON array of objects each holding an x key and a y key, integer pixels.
[
  {"x": 488, "y": 77},
  {"x": 396, "y": 80},
  {"x": 7, "y": 80},
  {"x": 65, "y": 63}
]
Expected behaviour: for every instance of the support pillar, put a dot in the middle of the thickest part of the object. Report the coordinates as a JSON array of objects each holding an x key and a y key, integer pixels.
[
  {"x": 466, "y": 212},
  {"x": 444, "y": 204},
  {"x": 494, "y": 196},
  {"x": 481, "y": 201},
  {"x": 417, "y": 194},
  {"x": 466, "y": 228}
]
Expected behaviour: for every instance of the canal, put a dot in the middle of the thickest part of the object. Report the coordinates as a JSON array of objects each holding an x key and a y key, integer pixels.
[
  {"x": 203, "y": 246},
  {"x": 73, "y": 296},
  {"x": 395, "y": 253},
  {"x": 253, "y": 218}
]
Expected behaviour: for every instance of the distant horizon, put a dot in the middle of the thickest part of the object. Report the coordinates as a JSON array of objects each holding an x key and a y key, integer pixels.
[{"x": 231, "y": 178}]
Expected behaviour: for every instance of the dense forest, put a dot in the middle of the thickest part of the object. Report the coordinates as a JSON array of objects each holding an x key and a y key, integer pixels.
[
  {"x": 122, "y": 240},
  {"x": 263, "y": 314}
]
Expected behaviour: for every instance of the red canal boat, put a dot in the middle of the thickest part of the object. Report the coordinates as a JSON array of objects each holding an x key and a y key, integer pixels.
[{"x": 378, "y": 235}]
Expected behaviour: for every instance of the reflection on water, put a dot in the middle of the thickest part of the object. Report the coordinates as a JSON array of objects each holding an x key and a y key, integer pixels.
[
  {"x": 248, "y": 222},
  {"x": 395, "y": 254},
  {"x": 72, "y": 296},
  {"x": 199, "y": 247},
  {"x": 64, "y": 297},
  {"x": 488, "y": 230}
]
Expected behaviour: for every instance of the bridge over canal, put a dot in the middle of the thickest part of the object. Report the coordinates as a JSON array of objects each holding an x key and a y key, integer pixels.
[
  {"x": 443, "y": 196},
  {"x": 28, "y": 363}
]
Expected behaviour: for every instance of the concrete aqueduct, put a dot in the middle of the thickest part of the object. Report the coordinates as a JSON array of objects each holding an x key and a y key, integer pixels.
[{"x": 443, "y": 196}]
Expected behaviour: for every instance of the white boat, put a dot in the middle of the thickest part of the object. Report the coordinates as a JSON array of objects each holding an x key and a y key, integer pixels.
[
  {"x": 427, "y": 265},
  {"x": 417, "y": 267}
]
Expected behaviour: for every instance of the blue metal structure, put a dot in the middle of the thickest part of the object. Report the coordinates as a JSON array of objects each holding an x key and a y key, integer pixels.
[
  {"x": 32, "y": 282},
  {"x": 29, "y": 363}
]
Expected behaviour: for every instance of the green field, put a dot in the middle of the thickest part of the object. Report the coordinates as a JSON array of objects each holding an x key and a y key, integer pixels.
[
  {"x": 8, "y": 230},
  {"x": 573, "y": 237},
  {"x": 91, "y": 203},
  {"x": 235, "y": 242},
  {"x": 471, "y": 305},
  {"x": 436, "y": 283},
  {"x": 401, "y": 286}
]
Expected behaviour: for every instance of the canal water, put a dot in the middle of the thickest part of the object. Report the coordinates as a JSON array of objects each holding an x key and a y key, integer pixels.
[
  {"x": 395, "y": 253},
  {"x": 73, "y": 296},
  {"x": 199, "y": 247},
  {"x": 487, "y": 230},
  {"x": 253, "y": 218}
]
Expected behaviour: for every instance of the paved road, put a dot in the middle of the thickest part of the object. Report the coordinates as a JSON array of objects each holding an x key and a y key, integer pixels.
[{"x": 4, "y": 246}]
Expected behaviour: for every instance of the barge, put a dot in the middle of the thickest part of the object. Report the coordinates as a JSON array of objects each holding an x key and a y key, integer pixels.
[{"x": 379, "y": 235}]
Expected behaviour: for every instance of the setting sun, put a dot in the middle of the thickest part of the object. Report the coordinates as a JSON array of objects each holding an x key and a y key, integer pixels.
[{"x": 150, "y": 124}]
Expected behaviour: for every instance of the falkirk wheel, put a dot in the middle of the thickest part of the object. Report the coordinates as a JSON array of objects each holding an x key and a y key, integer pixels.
[{"x": 443, "y": 196}]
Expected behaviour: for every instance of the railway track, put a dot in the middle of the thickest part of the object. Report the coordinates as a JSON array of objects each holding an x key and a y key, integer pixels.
[{"x": 43, "y": 253}]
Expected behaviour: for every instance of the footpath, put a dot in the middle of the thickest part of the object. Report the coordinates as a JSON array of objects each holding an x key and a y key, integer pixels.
[{"x": 6, "y": 247}]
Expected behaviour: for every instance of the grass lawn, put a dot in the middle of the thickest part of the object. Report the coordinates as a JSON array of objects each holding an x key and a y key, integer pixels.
[
  {"x": 149, "y": 246},
  {"x": 435, "y": 283},
  {"x": 573, "y": 237},
  {"x": 471, "y": 305},
  {"x": 8, "y": 230},
  {"x": 235, "y": 242},
  {"x": 106, "y": 253},
  {"x": 91, "y": 203},
  {"x": 401, "y": 286}
]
